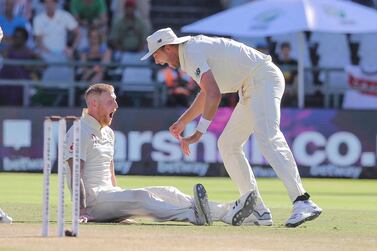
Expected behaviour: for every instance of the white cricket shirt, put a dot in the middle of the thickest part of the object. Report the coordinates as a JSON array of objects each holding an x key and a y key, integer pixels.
[
  {"x": 97, "y": 150},
  {"x": 231, "y": 62},
  {"x": 54, "y": 30}
]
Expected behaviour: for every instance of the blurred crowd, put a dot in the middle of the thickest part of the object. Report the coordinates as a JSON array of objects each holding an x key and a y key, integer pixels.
[
  {"x": 59, "y": 31},
  {"x": 95, "y": 33}
]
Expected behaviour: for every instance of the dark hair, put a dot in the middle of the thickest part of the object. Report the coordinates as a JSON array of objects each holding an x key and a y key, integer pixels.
[
  {"x": 24, "y": 33},
  {"x": 285, "y": 45}
]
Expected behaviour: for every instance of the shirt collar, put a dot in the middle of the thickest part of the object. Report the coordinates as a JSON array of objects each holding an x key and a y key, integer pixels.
[{"x": 90, "y": 121}]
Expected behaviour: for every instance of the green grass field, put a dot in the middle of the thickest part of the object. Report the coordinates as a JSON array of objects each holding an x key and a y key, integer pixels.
[{"x": 349, "y": 220}]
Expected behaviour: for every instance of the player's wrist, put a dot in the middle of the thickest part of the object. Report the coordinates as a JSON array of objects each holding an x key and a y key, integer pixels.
[{"x": 203, "y": 125}]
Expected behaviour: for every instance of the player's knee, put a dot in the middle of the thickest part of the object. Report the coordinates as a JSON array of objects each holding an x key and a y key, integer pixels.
[
  {"x": 221, "y": 144},
  {"x": 226, "y": 146},
  {"x": 270, "y": 142},
  {"x": 141, "y": 195}
]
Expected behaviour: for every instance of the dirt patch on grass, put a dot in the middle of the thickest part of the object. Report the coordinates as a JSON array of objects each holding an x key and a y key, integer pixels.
[{"x": 26, "y": 236}]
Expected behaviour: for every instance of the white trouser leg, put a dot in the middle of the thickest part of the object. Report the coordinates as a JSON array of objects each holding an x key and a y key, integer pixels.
[
  {"x": 141, "y": 202},
  {"x": 267, "y": 88},
  {"x": 230, "y": 143},
  {"x": 178, "y": 198}
]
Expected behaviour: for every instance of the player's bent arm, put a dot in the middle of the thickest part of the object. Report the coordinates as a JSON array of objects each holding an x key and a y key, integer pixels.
[
  {"x": 212, "y": 95},
  {"x": 112, "y": 171},
  {"x": 206, "y": 102},
  {"x": 82, "y": 186},
  {"x": 195, "y": 109}
]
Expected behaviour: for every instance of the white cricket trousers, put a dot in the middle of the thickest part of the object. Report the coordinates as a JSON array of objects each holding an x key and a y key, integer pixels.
[
  {"x": 163, "y": 203},
  {"x": 258, "y": 113}
]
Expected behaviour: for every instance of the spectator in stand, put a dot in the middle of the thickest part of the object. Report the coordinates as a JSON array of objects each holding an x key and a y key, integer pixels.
[
  {"x": 143, "y": 10},
  {"x": 96, "y": 51},
  {"x": 89, "y": 14},
  {"x": 38, "y": 6},
  {"x": 9, "y": 22},
  {"x": 129, "y": 33},
  {"x": 23, "y": 8},
  {"x": 288, "y": 66},
  {"x": 12, "y": 95},
  {"x": 179, "y": 85},
  {"x": 51, "y": 30}
]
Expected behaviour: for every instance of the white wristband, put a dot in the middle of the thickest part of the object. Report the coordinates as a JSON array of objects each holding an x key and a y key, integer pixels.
[{"x": 203, "y": 125}]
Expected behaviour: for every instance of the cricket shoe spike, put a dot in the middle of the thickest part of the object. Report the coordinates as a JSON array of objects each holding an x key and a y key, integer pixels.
[
  {"x": 241, "y": 209},
  {"x": 202, "y": 211},
  {"x": 303, "y": 211}
]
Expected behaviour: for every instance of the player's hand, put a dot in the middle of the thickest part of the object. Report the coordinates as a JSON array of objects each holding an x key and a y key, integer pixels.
[
  {"x": 85, "y": 218},
  {"x": 185, "y": 142},
  {"x": 176, "y": 129}
]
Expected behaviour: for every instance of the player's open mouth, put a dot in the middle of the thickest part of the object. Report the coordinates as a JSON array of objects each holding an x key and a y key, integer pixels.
[{"x": 111, "y": 115}]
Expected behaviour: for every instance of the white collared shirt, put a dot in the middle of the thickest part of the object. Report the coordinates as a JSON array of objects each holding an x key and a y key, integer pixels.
[
  {"x": 54, "y": 30},
  {"x": 231, "y": 62},
  {"x": 97, "y": 150}
]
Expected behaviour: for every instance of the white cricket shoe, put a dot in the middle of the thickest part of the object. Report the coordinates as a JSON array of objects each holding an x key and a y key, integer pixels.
[
  {"x": 259, "y": 218},
  {"x": 303, "y": 211},
  {"x": 4, "y": 218},
  {"x": 241, "y": 209},
  {"x": 202, "y": 211}
]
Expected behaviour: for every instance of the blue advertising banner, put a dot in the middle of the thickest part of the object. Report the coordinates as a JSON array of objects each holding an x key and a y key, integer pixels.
[{"x": 325, "y": 143}]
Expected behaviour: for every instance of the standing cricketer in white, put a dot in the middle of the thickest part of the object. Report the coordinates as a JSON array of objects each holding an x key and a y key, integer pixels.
[
  {"x": 101, "y": 198},
  {"x": 221, "y": 65}
]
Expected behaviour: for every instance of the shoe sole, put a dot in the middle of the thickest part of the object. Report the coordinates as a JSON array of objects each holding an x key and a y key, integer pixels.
[
  {"x": 201, "y": 199},
  {"x": 245, "y": 211},
  {"x": 310, "y": 218},
  {"x": 258, "y": 223},
  {"x": 265, "y": 223},
  {"x": 262, "y": 222}
]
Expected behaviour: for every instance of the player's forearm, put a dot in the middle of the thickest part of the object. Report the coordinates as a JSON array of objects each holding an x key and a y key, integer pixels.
[
  {"x": 195, "y": 109},
  {"x": 212, "y": 102},
  {"x": 212, "y": 95}
]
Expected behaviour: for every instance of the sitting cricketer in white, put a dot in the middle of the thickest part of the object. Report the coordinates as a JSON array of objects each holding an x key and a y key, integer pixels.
[{"x": 102, "y": 200}]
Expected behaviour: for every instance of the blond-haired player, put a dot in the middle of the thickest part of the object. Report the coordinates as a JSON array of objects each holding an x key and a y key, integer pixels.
[{"x": 103, "y": 200}]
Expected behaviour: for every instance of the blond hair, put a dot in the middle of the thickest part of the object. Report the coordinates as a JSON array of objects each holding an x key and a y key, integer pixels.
[{"x": 98, "y": 89}]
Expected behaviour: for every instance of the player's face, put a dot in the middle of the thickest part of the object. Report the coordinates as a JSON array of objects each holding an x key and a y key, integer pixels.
[
  {"x": 167, "y": 55},
  {"x": 107, "y": 106}
]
